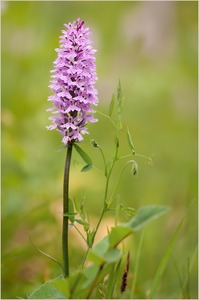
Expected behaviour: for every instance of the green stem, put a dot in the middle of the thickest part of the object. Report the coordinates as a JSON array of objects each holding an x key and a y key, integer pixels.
[
  {"x": 102, "y": 213},
  {"x": 65, "y": 211},
  {"x": 122, "y": 171},
  {"x": 104, "y": 160},
  {"x": 108, "y": 117}
]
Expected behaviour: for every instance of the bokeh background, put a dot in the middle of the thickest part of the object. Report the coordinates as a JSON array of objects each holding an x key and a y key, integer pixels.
[{"x": 152, "y": 48}]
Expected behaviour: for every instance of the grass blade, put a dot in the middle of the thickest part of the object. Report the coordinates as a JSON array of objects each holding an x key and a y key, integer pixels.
[
  {"x": 45, "y": 254},
  {"x": 164, "y": 261},
  {"x": 112, "y": 280},
  {"x": 190, "y": 264},
  {"x": 136, "y": 265},
  {"x": 111, "y": 107}
]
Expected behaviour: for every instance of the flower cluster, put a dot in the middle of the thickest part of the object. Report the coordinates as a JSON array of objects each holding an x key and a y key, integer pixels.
[{"x": 72, "y": 83}]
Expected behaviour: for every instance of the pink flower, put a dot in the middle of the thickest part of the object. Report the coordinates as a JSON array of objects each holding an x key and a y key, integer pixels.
[{"x": 72, "y": 83}]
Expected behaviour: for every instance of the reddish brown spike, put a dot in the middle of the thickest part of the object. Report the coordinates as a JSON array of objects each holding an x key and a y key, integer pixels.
[{"x": 125, "y": 275}]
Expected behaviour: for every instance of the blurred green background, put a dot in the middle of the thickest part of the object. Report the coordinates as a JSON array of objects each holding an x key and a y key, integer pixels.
[{"x": 152, "y": 48}]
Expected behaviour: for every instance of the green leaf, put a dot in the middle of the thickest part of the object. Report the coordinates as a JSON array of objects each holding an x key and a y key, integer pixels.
[
  {"x": 97, "y": 253},
  {"x": 82, "y": 222},
  {"x": 119, "y": 124},
  {"x": 47, "y": 291},
  {"x": 71, "y": 211},
  {"x": 86, "y": 168},
  {"x": 146, "y": 215},
  {"x": 118, "y": 234},
  {"x": 130, "y": 142},
  {"x": 90, "y": 274},
  {"x": 95, "y": 258},
  {"x": 113, "y": 255},
  {"x": 119, "y": 98},
  {"x": 76, "y": 281},
  {"x": 70, "y": 215},
  {"x": 77, "y": 204},
  {"x": 85, "y": 157},
  {"x": 62, "y": 284},
  {"x": 111, "y": 107},
  {"x": 137, "y": 260},
  {"x": 112, "y": 280}
]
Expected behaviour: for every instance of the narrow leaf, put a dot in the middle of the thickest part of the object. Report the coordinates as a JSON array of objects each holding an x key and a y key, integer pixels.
[
  {"x": 86, "y": 168},
  {"x": 69, "y": 214},
  {"x": 82, "y": 222},
  {"x": 90, "y": 274},
  {"x": 71, "y": 211},
  {"x": 111, "y": 107},
  {"x": 130, "y": 142},
  {"x": 119, "y": 98},
  {"x": 83, "y": 154},
  {"x": 119, "y": 124},
  {"x": 47, "y": 255},
  {"x": 112, "y": 280},
  {"x": 77, "y": 204},
  {"x": 136, "y": 265}
]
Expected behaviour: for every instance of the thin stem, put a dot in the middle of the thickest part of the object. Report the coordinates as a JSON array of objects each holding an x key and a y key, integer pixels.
[
  {"x": 122, "y": 171},
  {"x": 65, "y": 211},
  {"x": 104, "y": 160},
  {"x": 108, "y": 117},
  {"x": 80, "y": 233},
  {"x": 105, "y": 201},
  {"x": 103, "y": 211}
]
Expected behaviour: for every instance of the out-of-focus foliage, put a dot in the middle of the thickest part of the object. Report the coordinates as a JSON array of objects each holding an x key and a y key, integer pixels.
[{"x": 152, "y": 48}]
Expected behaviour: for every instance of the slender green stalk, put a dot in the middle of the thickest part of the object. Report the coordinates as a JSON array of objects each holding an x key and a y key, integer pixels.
[
  {"x": 103, "y": 211},
  {"x": 108, "y": 117},
  {"x": 105, "y": 200},
  {"x": 116, "y": 186},
  {"x": 65, "y": 211}
]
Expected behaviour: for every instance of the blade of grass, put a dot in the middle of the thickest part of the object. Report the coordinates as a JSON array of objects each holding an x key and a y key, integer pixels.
[
  {"x": 45, "y": 254},
  {"x": 112, "y": 280},
  {"x": 163, "y": 263},
  {"x": 185, "y": 286},
  {"x": 136, "y": 265},
  {"x": 178, "y": 276}
]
